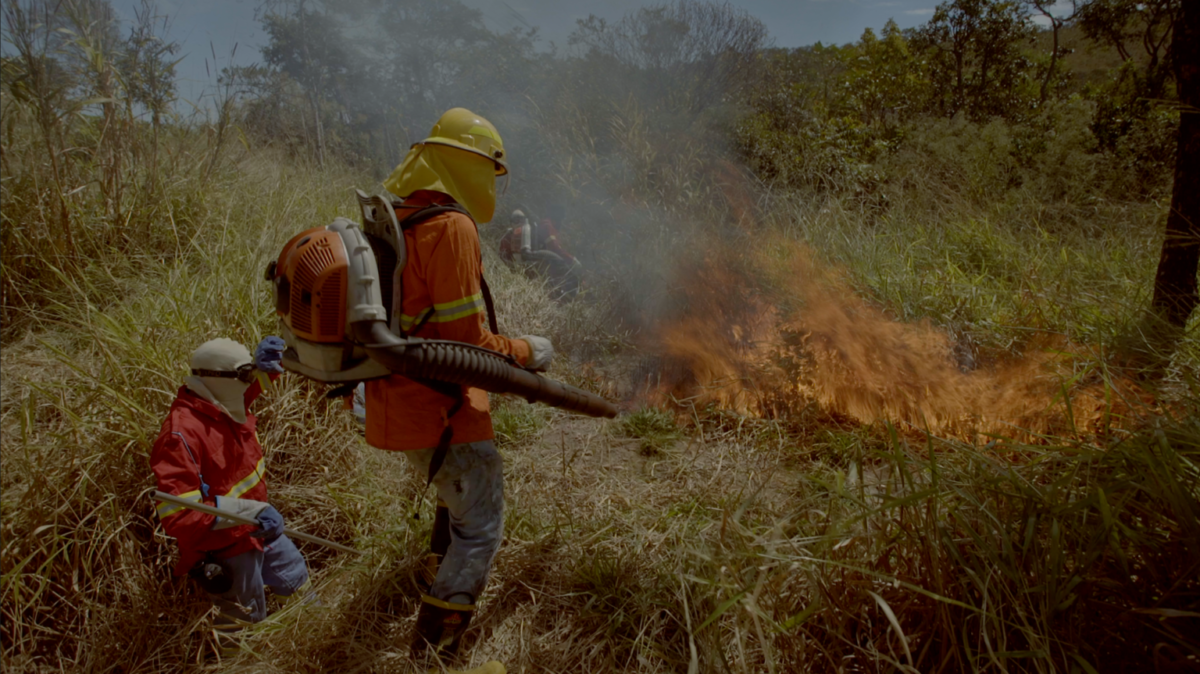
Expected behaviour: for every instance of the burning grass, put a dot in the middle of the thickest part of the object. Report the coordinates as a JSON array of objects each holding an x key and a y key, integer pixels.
[{"x": 789, "y": 332}]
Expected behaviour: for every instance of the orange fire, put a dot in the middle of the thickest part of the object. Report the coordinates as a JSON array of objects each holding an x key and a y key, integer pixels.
[{"x": 820, "y": 343}]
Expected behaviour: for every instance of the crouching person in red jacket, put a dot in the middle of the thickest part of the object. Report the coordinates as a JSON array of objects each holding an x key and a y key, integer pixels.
[{"x": 208, "y": 452}]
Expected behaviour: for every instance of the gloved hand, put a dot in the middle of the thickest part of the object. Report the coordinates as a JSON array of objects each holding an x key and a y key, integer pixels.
[
  {"x": 541, "y": 352},
  {"x": 247, "y": 508},
  {"x": 272, "y": 524},
  {"x": 268, "y": 354}
]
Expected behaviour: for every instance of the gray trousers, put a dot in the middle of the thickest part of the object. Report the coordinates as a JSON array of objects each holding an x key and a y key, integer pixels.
[
  {"x": 278, "y": 565},
  {"x": 471, "y": 483}
]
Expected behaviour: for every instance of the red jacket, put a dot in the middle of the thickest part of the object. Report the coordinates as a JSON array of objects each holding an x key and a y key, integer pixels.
[
  {"x": 545, "y": 237},
  {"x": 197, "y": 438}
]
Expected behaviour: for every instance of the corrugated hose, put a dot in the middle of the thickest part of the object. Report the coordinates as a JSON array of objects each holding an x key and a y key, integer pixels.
[{"x": 470, "y": 365}]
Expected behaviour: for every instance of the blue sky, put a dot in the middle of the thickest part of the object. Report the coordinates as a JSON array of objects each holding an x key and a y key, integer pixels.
[{"x": 205, "y": 26}]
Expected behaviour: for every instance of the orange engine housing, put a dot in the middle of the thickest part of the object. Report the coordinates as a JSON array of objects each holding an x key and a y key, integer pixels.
[{"x": 310, "y": 293}]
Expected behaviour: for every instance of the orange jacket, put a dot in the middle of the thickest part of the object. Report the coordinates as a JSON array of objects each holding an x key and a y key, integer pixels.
[{"x": 442, "y": 276}]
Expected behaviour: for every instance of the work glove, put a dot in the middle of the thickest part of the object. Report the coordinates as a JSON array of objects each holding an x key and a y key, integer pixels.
[
  {"x": 541, "y": 352},
  {"x": 247, "y": 508},
  {"x": 272, "y": 524},
  {"x": 268, "y": 355}
]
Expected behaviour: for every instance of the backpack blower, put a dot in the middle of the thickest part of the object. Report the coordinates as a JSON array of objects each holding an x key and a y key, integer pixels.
[{"x": 332, "y": 285}]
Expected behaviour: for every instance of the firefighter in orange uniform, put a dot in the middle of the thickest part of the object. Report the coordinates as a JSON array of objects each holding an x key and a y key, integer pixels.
[{"x": 445, "y": 431}]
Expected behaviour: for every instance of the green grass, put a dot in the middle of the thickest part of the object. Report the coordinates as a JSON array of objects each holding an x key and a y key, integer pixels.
[
  {"x": 517, "y": 423},
  {"x": 999, "y": 280},
  {"x": 997, "y": 275},
  {"x": 654, "y": 428},
  {"x": 988, "y": 564}
]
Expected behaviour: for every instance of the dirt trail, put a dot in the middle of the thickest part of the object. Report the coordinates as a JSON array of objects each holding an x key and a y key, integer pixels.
[
  {"x": 586, "y": 470},
  {"x": 585, "y": 501}
]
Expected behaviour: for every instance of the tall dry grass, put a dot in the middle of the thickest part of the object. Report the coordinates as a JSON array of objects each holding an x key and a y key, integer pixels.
[
  {"x": 97, "y": 162},
  {"x": 86, "y": 577},
  {"x": 942, "y": 557}
]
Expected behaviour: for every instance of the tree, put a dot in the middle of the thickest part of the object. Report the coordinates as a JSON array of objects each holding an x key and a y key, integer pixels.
[
  {"x": 1057, "y": 22},
  {"x": 821, "y": 114},
  {"x": 371, "y": 71},
  {"x": 305, "y": 46},
  {"x": 93, "y": 52},
  {"x": 1120, "y": 23},
  {"x": 45, "y": 85},
  {"x": 975, "y": 59},
  {"x": 149, "y": 72},
  {"x": 447, "y": 57},
  {"x": 883, "y": 77},
  {"x": 1175, "y": 287},
  {"x": 697, "y": 52}
]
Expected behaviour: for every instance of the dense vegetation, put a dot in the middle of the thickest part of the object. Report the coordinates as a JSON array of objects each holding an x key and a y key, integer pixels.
[{"x": 801, "y": 262}]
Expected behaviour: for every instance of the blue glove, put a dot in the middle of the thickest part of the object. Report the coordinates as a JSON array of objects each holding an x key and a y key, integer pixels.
[
  {"x": 268, "y": 354},
  {"x": 272, "y": 524}
]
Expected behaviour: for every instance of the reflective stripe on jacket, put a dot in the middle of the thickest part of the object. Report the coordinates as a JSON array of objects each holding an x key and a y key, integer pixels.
[
  {"x": 442, "y": 281},
  {"x": 445, "y": 312},
  {"x": 198, "y": 439}
]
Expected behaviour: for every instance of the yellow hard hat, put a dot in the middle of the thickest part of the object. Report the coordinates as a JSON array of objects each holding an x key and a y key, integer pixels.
[{"x": 465, "y": 130}]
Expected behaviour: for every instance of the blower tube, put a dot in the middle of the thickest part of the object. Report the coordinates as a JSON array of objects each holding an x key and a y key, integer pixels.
[{"x": 469, "y": 365}]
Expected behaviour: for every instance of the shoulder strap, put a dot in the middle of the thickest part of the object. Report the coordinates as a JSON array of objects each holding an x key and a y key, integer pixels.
[
  {"x": 423, "y": 214},
  {"x": 487, "y": 302},
  {"x": 443, "y": 446}
]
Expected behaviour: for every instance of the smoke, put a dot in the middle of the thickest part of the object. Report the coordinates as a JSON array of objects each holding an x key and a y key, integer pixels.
[{"x": 627, "y": 136}]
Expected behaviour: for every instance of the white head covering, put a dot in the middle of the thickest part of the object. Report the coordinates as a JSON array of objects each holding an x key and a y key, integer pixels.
[{"x": 227, "y": 394}]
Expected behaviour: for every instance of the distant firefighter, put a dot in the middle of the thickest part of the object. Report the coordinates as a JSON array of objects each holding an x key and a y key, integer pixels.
[{"x": 536, "y": 247}]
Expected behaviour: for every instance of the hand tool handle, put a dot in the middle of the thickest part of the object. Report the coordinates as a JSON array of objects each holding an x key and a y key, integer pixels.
[{"x": 291, "y": 533}]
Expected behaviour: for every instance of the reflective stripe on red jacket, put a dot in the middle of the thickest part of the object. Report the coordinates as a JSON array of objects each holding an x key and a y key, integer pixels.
[{"x": 198, "y": 439}]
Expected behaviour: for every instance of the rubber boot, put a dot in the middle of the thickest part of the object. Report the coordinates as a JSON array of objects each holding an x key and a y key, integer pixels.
[
  {"x": 440, "y": 626},
  {"x": 227, "y": 631}
]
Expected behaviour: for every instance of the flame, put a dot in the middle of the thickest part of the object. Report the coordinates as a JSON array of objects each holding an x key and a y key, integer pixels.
[{"x": 818, "y": 342}]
